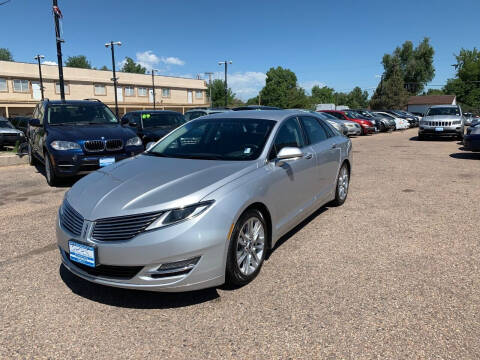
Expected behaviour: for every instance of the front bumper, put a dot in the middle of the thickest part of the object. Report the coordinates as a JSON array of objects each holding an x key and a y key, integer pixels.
[
  {"x": 472, "y": 142},
  {"x": 11, "y": 139},
  {"x": 204, "y": 236},
  {"x": 368, "y": 129},
  {"x": 354, "y": 131},
  {"x": 446, "y": 131},
  {"x": 72, "y": 163}
]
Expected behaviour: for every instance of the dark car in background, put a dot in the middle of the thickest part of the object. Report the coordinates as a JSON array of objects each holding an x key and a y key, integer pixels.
[
  {"x": 381, "y": 123},
  {"x": 75, "y": 137},
  {"x": 256, "y": 107},
  {"x": 367, "y": 126},
  {"x": 471, "y": 140},
  {"x": 196, "y": 113},
  {"x": 412, "y": 119},
  {"x": 152, "y": 125},
  {"x": 9, "y": 136}
]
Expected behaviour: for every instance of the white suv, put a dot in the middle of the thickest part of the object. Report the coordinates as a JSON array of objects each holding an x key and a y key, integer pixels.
[{"x": 442, "y": 120}]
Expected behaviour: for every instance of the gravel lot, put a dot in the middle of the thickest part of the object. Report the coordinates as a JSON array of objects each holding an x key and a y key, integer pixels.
[{"x": 394, "y": 273}]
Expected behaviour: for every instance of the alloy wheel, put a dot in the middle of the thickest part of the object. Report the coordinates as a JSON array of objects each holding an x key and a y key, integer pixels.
[
  {"x": 250, "y": 246},
  {"x": 343, "y": 183}
]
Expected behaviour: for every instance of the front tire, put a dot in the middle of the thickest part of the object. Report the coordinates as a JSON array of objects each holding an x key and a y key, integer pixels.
[
  {"x": 343, "y": 183},
  {"x": 247, "y": 248},
  {"x": 52, "y": 179},
  {"x": 31, "y": 158}
]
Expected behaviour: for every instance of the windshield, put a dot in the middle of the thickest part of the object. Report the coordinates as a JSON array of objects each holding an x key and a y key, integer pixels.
[
  {"x": 152, "y": 120},
  {"x": 443, "y": 111},
  {"x": 351, "y": 114},
  {"x": 388, "y": 116},
  {"x": 6, "y": 124},
  {"x": 216, "y": 139},
  {"x": 80, "y": 114}
]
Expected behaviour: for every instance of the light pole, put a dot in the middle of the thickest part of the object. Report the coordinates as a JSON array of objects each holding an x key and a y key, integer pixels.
[
  {"x": 38, "y": 57},
  {"x": 153, "y": 86},
  {"x": 111, "y": 45},
  {"x": 226, "y": 69},
  {"x": 57, "y": 14},
  {"x": 210, "y": 87}
]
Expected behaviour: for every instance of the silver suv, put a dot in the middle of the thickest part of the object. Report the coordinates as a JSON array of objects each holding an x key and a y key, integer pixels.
[{"x": 442, "y": 120}]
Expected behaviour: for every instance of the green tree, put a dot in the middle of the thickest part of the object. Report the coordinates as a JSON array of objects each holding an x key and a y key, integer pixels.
[
  {"x": 391, "y": 93},
  {"x": 252, "y": 101},
  {"x": 466, "y": 84},
  {"x": 341, "y": 98},
  {"x": 416, "y": 65},
  {"x": 357, "y": 99},
  {"x": 104, "y": 68},
  {"x": 322, "y": 95},
  {"x": 5, "y": 55},
  {"x": 434, "y": 92},
  {"x": 79, "y": 61},
  {"x": 281, "y": 90},
  {"x": 131, "y": 67},
  {"x": 218, "y": 94}
]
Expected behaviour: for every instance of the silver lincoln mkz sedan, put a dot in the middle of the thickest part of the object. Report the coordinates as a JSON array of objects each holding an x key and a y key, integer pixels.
[{"x": 205, "y": 203}]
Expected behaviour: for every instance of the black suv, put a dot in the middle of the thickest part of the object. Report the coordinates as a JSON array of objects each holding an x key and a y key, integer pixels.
[
  {"x": 152, "y": 125},
  {"x": 75, "y": 137}
]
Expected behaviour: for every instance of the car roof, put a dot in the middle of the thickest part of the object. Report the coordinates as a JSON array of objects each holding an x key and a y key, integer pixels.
[
  {"x": 153, "y": 112},
  {"x": 444, "y": 106},
  {"x": 275, "y": 115}
]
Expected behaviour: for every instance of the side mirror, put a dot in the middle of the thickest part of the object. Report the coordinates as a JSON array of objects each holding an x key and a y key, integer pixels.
[
  {"x": 34, "y": 122},
  {"x": 287, "y": 153},
  {"x": 150, "y": 145},
  {"x": 132, "y": 124},
  {"x": 124, "y": 121}
]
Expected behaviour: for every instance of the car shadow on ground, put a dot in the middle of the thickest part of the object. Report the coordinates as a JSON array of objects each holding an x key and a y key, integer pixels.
[
  {"x": 436, "y": 139},
  {"x": 62, "y": 183},
  {"x": 466, "y": 155},
  {"x": 134, "y": 299}
]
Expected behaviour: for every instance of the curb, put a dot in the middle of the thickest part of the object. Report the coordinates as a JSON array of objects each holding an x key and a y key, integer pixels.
[{"x": 9, "y": 160}]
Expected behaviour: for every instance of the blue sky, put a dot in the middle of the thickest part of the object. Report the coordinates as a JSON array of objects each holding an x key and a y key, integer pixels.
[{"x": 336, "y": 43}]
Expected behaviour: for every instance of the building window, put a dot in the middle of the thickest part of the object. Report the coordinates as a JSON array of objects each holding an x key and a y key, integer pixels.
[
  {"x": 166, "y": 92},
  {"x": 129, "y": 91},
  {"x": 198, "y": 94},
  {"x": 66, "y": 88},
  {"x": 21, "y": 86},
  {"x": 100, "y": 89},
  {"x": 3, "y": 85},
  {"x": 142, "y": 91}
]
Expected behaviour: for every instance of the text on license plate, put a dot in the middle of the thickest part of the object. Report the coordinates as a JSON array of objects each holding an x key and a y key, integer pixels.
[
  {"x": 106, "y": 161},
  {"x": 82, "y": 254},
  {"x": 439, "y": 129}
]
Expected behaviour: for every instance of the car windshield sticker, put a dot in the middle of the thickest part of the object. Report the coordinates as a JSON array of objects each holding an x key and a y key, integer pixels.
[
  {"x": 247, "y": 151},
  {"x": 146, "y": 116}
]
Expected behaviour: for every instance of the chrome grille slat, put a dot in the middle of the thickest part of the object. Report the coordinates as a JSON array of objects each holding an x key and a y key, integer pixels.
[
  {"x": 114, "y": 145},
  {"x": 71, "y": 220},
  {"x": 94, "y": 145},
  {"x": 124, "y": 227}
]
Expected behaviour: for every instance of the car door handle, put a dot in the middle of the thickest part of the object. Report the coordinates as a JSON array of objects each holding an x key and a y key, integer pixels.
[{"x": 308, "y": 156}]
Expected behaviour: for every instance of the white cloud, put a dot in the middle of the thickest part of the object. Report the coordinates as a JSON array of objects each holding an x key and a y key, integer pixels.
[
  {"x": 244, "y": 84},
  {"x": 309, "y": 84},
  {"x": 49, "y": 63},
  {"x": 171, "y": 60}
]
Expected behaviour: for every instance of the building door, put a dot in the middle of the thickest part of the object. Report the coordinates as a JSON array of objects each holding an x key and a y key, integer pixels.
[
  {"x": 36, "y": 92},
  {"x": 189, "y": 96},
  {"x": 150, "y": 95},
  {"x": 119, "y": 93}
]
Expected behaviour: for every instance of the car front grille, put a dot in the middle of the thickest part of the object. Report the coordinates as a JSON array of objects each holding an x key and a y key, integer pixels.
[
  {"x": 94, "y": 145},
  {"x": 70, "y": 219},
  {"x": 438, "y": 123},
  {"x": 114, "y": 145},
  {"x": 109, "y": 271},
  {"x": 122, "y": 228}
]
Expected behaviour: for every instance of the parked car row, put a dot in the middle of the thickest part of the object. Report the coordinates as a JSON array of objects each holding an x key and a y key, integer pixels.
[{"x": 9, "y": 135}]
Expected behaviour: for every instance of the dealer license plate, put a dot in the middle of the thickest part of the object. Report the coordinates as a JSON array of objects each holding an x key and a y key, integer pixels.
[
  {"x": 106, "y": 161},
  {"x": 81, "y": 253},
  {"x": 439, "y": 129}
]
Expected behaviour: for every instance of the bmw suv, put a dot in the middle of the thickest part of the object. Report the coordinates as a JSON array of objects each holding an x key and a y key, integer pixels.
[
  {"x": 75, "y": 137},
  {"x": 441, "y": 121}
]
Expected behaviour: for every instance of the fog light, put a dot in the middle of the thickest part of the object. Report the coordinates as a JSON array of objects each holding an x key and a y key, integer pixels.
[{"x": 175, "y": 268}]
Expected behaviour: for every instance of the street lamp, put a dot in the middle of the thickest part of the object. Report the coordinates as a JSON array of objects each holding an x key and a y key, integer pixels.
[
  {"x": 210, "y": 86},
  {"x": 112, "y": 44},
  {"x": 153, "y": 86},
  {"x": 57, "y": 14},
  {"x": 38, "y": 57},
  {"x": 226, "y": 87}
]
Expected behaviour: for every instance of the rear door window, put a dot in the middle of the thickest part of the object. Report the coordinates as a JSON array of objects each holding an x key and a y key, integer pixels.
[{"x": 315, "y": 132}]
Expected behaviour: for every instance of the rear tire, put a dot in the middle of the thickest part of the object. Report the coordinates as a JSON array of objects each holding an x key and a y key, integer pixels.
[
  {"x": 247, "y": 248},
  {"x": 342, "y": 186}
]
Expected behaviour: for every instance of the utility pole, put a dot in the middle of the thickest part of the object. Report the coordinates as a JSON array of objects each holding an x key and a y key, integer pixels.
[
  {"x": 153, "y": 86},
  {"x": 111, "y": 45},
  {"x": 210, "y": 87},
  {"x": 226, "y": 70},
  {"x": 38, "y": 57},
  {"x": 57, "y": 14}
]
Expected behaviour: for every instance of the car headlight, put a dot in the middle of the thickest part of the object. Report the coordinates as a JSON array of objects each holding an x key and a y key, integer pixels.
[
  {"x": 174, "y": 216},
  {"x": 64, "y": 145},
  {"x": 135, "y": 141},
  {"x": 22, "y": 134}
]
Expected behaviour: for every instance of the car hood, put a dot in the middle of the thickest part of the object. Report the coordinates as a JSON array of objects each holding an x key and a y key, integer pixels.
[
  {"x": 9, "y": 131},
  {"x": 147, "y": 183},
  {"x": 89, "y": 132},
  {"x": 442, "y": 118}
]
